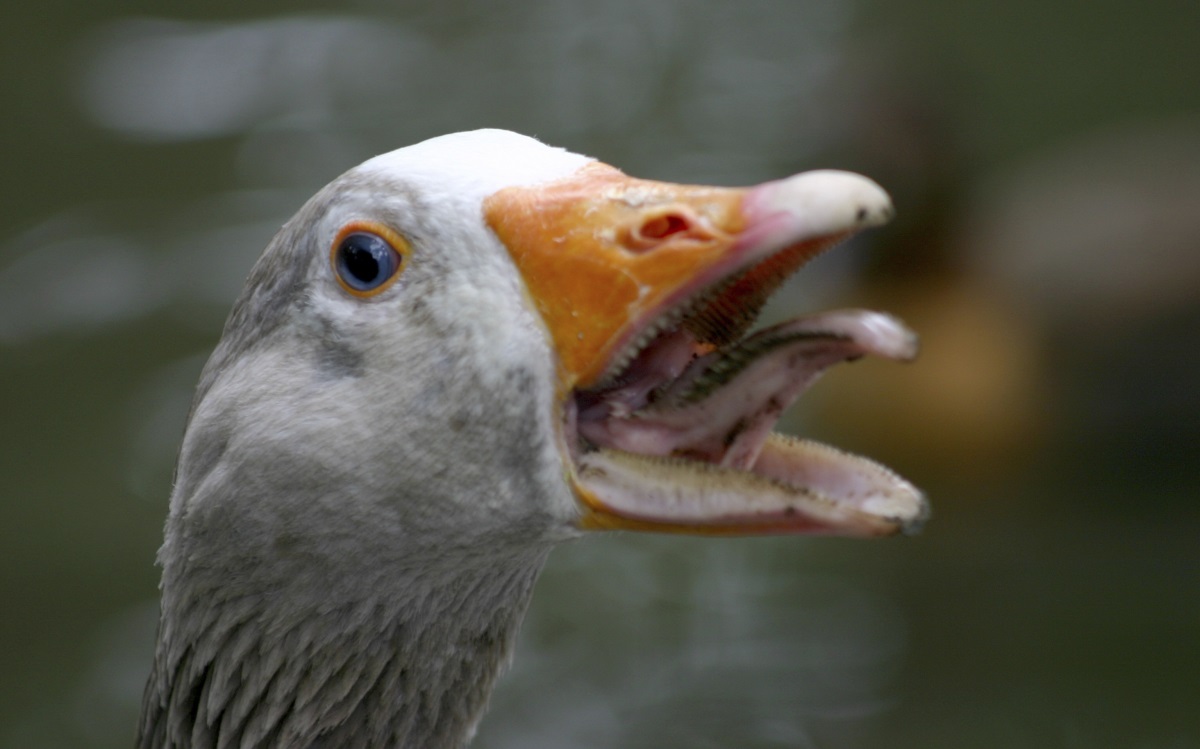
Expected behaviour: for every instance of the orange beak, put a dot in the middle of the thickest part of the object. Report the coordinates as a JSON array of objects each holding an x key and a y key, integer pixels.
[
  {"x": 620, "y": 268},
  {"x": 601, "y": 253}
]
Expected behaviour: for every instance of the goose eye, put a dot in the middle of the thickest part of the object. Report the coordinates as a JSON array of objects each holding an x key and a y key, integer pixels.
[{"x": 367, "y": 258}]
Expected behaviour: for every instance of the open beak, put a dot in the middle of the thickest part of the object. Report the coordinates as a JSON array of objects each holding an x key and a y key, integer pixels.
[{"x": 647, "y": 291}]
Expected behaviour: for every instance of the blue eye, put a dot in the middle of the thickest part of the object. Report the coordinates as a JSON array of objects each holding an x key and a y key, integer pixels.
[{"x": 365, "y": 261}]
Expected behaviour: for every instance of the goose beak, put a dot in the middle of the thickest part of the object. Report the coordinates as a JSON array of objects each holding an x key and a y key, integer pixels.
[{"x": 647, "y": 290}]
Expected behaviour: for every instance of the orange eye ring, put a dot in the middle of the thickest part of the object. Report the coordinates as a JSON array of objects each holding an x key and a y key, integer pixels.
[{"x": 367, "y": 258}]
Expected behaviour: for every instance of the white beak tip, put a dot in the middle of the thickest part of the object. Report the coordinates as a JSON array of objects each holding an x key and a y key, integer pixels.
[{"x": 826, "y": 201}]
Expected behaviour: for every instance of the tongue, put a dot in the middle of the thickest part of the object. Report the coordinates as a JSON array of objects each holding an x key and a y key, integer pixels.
[{"x": 722, "y": 407}]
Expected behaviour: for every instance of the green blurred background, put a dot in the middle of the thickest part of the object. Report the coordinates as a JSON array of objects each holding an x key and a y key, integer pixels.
[{"x": 1045, "y": 161}]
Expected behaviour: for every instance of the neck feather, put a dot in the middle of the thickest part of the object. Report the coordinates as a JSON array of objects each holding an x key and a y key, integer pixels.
[{"x": 410, "y": 665}]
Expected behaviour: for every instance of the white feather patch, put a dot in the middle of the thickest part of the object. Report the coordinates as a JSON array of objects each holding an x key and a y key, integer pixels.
[{"x": 475, "y": 164}]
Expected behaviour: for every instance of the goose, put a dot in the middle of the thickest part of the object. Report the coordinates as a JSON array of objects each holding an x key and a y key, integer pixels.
[{"x": 454, "y": 357}]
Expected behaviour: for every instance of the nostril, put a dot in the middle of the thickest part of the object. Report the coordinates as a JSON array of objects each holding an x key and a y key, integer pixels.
[
  {"x": 659, "y": 227},
  {"x": 662, "y": 226}
]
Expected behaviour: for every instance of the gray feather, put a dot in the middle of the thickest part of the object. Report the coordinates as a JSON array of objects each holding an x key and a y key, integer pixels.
[{"x": 366, "y": 492}]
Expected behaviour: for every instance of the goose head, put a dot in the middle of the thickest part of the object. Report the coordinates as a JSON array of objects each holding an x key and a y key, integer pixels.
[{"x": 455, "y": 356}]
